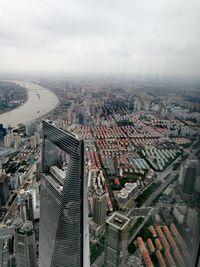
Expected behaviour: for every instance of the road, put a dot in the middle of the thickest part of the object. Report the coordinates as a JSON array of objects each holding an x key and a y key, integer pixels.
[
  {"x": 99, "y": 262},
  {"x": 139, "y": 212},
  {"x": 167, "y": 171},
  {"x": 139, "y": 228},
  {"x": 166, "y": 177},
  {"x": 159, "y": 190},
  {"x": 166, "y": 181}
]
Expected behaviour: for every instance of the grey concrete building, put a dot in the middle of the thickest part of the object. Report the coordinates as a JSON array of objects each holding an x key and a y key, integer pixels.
[
  {"x": 116, "y": 240},
  {"x": 100, "y": 207},
  {"x": 25, "y": 245}
]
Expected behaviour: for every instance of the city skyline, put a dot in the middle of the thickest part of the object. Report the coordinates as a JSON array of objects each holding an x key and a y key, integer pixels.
[{"x": 106, "y": 176}]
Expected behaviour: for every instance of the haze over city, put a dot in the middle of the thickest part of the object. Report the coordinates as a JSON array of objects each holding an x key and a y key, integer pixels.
[
  {"x": 152, "y": 38},
  {"x": 99, "y": 133}
]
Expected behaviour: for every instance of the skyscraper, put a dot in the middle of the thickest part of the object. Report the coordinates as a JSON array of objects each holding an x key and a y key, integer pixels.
[
  {"x": 25, "y": 205},
  {"x": 182, "y": 173},
  {"x": 64, "y": 239},
  {"x": 25, "y": 244},
  {"x": 116, "y": 242},
  {"x": 100, "y": 207},
  {"x": 4, "y": 192},
  {"x": 190, "y": 177},
  {"x": 35, "y": 140},
  {"x": 8, "y": 140}
]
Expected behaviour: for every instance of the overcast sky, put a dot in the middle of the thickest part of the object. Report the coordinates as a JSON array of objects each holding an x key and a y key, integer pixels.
[{"x": 153, "y": 37}]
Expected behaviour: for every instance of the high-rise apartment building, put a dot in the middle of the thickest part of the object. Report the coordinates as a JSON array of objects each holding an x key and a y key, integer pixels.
[
  {"x": 17, "y": 141},
  {"x": 182, "y": 173},
  {"x": 25, "y": 205},
  {"x": 8, "y": 140},
  {"x": 116, "y": 240},
  {"x": 4, "y": 192},
  {"x": 35, "y": 140},
  {"x": 25, "y": 244},
  {"x": 6, "y": 246},
  {"x": 64, "y": 239},
  {"x": 12, "y": 140},
  {"x": 99, "y": 207}
]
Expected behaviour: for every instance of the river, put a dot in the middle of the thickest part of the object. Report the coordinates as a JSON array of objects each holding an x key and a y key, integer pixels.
[{"x": 40, "y": 101}]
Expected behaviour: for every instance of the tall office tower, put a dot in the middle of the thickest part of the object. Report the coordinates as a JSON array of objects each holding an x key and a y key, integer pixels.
[
  {"x": 25, "y": 205},
  {"x": 100, "y": 207},
  {"x": 4, "y": 193},
  {"x": 190, "y": 177},
  {"x": 116, "y": 243},
  {"x": 25, "y": 244},
  {"x": 64, "y": 233},
  {"x": 182, "y": 173}
]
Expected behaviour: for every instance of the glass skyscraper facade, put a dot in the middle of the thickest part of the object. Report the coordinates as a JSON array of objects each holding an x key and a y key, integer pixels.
[{"x": 64, "y": 239}]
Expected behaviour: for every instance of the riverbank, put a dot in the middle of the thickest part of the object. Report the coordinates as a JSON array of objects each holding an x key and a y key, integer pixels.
[
  {"x": 40, "y": 102},
  {"x": 12, "y": 96}
]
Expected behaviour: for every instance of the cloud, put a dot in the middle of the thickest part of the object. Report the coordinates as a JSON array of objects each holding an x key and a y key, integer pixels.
[{"x": 107, "y": 35}]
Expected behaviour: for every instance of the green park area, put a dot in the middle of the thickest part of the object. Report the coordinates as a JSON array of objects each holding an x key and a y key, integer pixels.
[
  {"x": 135, "y": 226},
  {"x": 146, "y": 193},
  {"x": 130, "y": 178}
]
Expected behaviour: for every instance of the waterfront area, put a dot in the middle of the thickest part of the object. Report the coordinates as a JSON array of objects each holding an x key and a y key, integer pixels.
[
  {"x": 40, "y": 101},
  {"x": 12, "y": 96}
]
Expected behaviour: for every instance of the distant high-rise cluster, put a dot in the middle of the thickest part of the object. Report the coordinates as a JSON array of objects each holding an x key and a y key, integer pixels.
[
  {"x": 12, "y": 140},
  {"x": 116, "y": 199}
]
